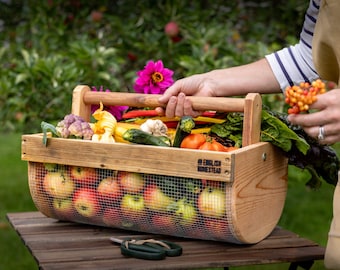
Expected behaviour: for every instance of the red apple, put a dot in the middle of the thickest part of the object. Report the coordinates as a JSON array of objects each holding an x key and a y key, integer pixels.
[
  {"x": 133, "y": 208},
  {"x": 217, "y": 228},
  {"x": 112, "y": 217},
  {"x": 86, "y": 203},
  {"x": 212, "y": 202},
  {"x": 211, "y": 183},
  {"x": 109, "y": 189},
  {"x": 155, "y": 199},
  {"x": 63, "y": 208},
  {"x": 58, "y": 184},
  {"x": 131, "y": 182},
  {"x": 171, "y": 29},
  {"x": 83, "y": 175},
  {"x": 36, "y": 174},
  {"x": 163, "y": 223}
]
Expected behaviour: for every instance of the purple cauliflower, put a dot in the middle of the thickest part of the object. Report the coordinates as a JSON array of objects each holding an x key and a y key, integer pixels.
[{"x": 74, "y": 126}]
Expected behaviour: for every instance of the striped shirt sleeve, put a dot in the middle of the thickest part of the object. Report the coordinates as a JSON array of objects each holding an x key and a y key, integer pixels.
[{"x": 294, "y": 64}]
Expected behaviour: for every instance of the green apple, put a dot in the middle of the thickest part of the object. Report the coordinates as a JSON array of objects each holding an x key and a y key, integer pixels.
[
  {"x": 51, "y": 167},
  {"x": 211, "y": 202},
  {"x": 58, "y": 184},
  {"x": 186, "y": 213},
  {"x": 132, "y": 207}
]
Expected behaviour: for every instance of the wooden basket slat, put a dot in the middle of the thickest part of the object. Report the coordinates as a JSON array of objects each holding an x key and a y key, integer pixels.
[{"x": 129, "y": 157}]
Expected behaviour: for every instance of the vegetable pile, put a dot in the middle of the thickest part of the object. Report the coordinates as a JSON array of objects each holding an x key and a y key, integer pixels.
[{"x": 211, "y": 131}]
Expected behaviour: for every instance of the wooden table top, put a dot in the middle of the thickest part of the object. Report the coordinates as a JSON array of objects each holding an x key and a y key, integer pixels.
[{"x": 66, "y": 245}]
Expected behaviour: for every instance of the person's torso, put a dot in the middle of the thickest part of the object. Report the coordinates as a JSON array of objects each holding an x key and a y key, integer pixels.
[{"x": 326, "y": 41}]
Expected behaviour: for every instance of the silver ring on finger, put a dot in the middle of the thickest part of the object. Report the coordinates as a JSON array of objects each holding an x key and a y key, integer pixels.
[{"x": 321, "y": 135}]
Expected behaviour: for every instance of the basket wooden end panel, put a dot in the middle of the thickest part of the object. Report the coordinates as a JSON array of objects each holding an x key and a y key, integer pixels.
[
  {"x": 258, "y": 192},
  {"x": 252, "y": 119},
  {"x": 129, "y": 157},
  {"x": 79, "y": 107}
]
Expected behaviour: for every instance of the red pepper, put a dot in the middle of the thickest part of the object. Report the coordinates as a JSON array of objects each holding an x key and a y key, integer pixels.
[
  {"x": 139, "y": 113},
  {"x": 153, "y": 113},
  {"x": 171, "y": 124},
  {"x": 209, "y": 114}
]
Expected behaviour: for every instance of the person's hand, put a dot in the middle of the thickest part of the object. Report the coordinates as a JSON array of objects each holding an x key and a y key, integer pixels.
[
  {"x": 327, "y": 115},
  {"x": 175, "y": 97}
]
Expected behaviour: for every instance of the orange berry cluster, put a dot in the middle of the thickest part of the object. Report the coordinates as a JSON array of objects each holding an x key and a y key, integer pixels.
[{"x": 299, "y": 97}]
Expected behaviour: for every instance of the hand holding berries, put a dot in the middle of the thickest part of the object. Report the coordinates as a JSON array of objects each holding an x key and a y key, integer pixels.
[{"x": 300, "y": 97}]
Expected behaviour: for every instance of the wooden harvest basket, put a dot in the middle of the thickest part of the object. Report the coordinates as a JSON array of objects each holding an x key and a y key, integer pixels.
[{"x": 233, "y": 196}]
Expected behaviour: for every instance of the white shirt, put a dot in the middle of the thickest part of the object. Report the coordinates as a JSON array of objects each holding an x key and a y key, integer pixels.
[{"x": 294, "y": 64}]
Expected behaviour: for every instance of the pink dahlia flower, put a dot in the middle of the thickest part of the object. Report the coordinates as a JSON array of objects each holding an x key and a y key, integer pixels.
[
  {"x": 116, "y": 111},
  {"x": 153, "y": 79}
]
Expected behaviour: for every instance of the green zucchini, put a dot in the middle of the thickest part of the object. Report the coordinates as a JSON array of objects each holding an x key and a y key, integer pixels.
[
  {"x": 141, "y": 137},
  {"x": 184, "y": 127}
]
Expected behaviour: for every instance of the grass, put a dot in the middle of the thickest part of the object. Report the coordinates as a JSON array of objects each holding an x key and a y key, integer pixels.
[
  {"x": 307, "y": 212},
  {"x": 14, "y": 197}
]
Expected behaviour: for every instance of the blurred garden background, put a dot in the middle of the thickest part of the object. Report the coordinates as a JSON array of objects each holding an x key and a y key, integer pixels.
[{"x": 48, "y": 47}]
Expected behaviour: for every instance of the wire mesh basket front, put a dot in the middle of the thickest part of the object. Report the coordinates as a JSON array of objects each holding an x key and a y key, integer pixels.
[{"x": 178, "y": 206}]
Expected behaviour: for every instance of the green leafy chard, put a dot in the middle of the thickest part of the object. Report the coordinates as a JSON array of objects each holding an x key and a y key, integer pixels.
[
  {"x": 320, "y": 160},
  {"x": 301, "y": 150}
]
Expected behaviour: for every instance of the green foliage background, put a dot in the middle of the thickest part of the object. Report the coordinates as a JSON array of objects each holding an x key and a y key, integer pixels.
[{"x": 48, "y": 48}]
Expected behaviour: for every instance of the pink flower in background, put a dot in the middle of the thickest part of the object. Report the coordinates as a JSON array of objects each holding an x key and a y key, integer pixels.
[
  {"x": 116, "y": 111},
  {"x": 154, "y": 78}
]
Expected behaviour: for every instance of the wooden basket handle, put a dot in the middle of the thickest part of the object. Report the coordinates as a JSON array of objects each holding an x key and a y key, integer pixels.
[{"x": 251, "y": 106}]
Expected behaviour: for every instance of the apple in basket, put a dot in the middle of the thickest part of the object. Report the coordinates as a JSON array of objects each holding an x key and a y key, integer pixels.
[
  {"x": 51, "y": 167},
  {"x": 58, "y": 184},
  {"x": 109, "y": 189},
  {"x": 163, "y": 223},
  {"x": 132, "y": 207},
  {"x": 85, "y": 202},
  {"x": 217, "y": 228},
  {"x": 186, "y": 213},
  {"x": 83, "y": 175},
  {"x": 131, "y": 182},
  {"x": 155, "y": 199},
  {"x": 112, "y": 217},
  {"x": 63, "y": 208},
  {"x": 211, "y": 202}
]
